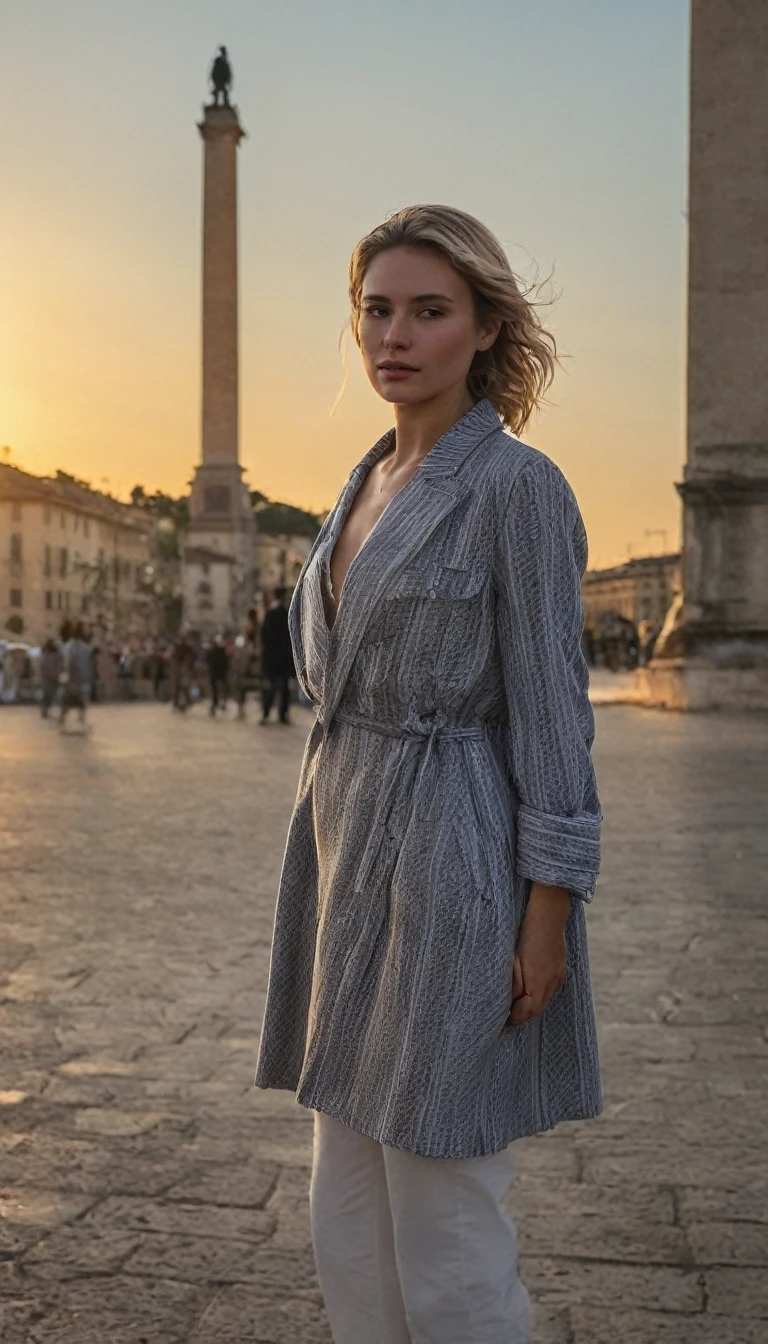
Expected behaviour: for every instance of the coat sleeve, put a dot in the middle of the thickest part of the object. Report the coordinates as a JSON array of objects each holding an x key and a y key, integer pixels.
[{"x": 540, "y": 559}]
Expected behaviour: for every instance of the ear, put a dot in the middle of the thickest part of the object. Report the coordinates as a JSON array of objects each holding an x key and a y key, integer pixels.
[{"x": 488, "y": 333}]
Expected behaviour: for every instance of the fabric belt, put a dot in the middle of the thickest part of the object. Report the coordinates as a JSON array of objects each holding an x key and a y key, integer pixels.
[
  {"x": 425, "y": 729},
  {"x": 415, "y": 735}
]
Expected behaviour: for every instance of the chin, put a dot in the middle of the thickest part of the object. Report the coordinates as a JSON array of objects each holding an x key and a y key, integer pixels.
[{"x": 397, "y": 394}]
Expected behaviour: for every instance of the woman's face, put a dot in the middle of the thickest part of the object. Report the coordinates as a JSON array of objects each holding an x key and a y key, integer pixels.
[{"x": 418, "y": 331}]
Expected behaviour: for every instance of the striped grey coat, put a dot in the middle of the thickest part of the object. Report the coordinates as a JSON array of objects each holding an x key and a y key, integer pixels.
[{"x": 448, "y": 766}]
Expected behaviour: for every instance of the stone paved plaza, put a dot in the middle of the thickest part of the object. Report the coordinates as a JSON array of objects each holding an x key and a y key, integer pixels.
[{"x": 151, "y": 1196}]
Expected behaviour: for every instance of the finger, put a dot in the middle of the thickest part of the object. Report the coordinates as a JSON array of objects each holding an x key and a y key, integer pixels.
[
  {"x": 518, "y": 987},
  {"x": 534, "y": 1005},
  {"x": 521, "y": 1010}
]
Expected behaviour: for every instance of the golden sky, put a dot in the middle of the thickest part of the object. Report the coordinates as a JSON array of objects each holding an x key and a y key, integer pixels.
[{"x": 566, "y": 134}]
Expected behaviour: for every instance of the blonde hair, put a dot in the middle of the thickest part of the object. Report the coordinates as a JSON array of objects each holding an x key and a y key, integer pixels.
[{"x": 516, "y": 371}]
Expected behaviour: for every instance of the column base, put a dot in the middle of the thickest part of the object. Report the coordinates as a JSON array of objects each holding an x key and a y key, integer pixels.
[{"x": 696, "y": 684}]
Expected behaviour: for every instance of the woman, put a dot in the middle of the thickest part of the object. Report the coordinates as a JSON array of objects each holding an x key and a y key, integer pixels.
[
  {"x": 51, "y": 667},
  {"x": 76, "y": 677},
  {"x": 429, "y": 994}
]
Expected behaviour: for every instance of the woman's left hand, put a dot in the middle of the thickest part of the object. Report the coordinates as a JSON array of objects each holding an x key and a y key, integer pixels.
[{"x": 540, "y": 957}]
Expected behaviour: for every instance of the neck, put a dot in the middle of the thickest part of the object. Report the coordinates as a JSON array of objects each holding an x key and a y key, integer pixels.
[{"x": 418, "y": 428}]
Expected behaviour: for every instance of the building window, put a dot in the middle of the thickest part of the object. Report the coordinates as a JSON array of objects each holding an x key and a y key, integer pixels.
[
  {"x": 66, "y": 601},
  {"x": 58, "y": 601},
  {"x": 49, "y": 600},
  {"x": 63, "y": 558},
  {"x": 16, "y": 597},
  {"x": 76, "y": 522},
  {"x": 86, "y": 526},
  {"x": 47, "y": 514},
  {"x": 16, "y": 547},
  {"x": 62, "y": 519},
  {"x": 15, "y": 513},
  {"x": 48, "y": 562},
  {"x": 84, "y": 603}
]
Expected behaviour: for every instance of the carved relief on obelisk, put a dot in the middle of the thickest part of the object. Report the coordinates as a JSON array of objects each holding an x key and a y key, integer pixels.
[{"x": 221, "y": 518}]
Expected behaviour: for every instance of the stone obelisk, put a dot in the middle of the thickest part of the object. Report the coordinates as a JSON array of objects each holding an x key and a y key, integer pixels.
[
  {"x": 713, "y": 651},
  {"x": 221, "y": 518}
]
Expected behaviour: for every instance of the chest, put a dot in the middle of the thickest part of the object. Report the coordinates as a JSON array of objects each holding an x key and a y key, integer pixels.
[
  {"x": 409, "y": 576},
  {"x": 376, "y": 494}
]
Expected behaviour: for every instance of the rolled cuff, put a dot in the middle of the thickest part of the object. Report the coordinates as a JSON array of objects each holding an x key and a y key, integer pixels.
[{"x": 559, "y": 851}]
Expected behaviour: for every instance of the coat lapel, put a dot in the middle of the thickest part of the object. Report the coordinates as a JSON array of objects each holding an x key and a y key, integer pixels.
[
  {"x": 403, "y": 529},
  {"x": 306, "y": 617}
]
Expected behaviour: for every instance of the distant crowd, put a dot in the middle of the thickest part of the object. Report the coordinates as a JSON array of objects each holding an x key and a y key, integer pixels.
[
  {"x": 78, "y": 669},
  {"x": 619, "y": 645},
  {"x": 73, "y": 671},
  {"x": 257, "y": 661}
]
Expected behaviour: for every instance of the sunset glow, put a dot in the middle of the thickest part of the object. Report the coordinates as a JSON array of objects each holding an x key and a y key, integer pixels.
[{"x": 563, "y": 130}]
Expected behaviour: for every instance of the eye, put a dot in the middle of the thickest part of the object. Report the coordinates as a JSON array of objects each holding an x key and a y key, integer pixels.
[
  {"x": 375, "y": 311},
  {"x": 433, "y": 312}
]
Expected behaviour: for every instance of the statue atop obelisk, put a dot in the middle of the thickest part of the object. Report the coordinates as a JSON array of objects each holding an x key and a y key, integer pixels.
[{"x": 221, "y": 518}]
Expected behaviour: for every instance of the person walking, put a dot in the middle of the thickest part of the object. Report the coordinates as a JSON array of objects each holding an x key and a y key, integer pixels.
[
  {"x": 181, "y": 667},
  {"x": 277, "y": 665},
  {"x": 217, "y": 659},
  {"x": 76, "y": 676},
  {"x": 95, "y": 654},
  {"x": 429, "y": 993},
  {"x": 241, "y": 671},
  {"x": 51, "y": 668}
]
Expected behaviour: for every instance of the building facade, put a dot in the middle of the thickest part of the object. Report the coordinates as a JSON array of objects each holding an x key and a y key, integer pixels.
[
  {"x": 278, "y": 560},
  {"x": 68, "y": 552},
  {"x": 207, "y": 587},
  {"x": 639, "y": 590}
]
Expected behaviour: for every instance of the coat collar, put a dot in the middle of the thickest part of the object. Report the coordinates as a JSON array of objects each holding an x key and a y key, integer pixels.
[
  {"x": 445, "y": 457},
  {"x": 403, "y": 529},
  {"x": 441, "y": 464}
]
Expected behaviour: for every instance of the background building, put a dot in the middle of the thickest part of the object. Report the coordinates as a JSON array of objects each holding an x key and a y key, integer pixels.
[
  {"x": 207, "y": 589},
  {"x": 639, "y": 590},
  {"x": 278, "y": 560},
  {"x": 69, "y": 551}
]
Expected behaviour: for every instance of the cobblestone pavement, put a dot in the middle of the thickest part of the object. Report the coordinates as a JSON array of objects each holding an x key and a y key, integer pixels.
[{"x": 149, "y": 1193}]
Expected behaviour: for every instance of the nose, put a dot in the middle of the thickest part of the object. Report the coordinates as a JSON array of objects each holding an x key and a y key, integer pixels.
[{"x": 397, "y": 335}]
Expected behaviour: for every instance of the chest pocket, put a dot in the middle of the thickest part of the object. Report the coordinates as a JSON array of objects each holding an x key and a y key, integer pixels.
[
  {"x": 425, "y": 596},
  {"x": 438, "y": 583}
]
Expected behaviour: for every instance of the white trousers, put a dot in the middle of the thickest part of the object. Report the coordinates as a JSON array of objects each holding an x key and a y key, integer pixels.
[{"x": 413, "y": 1250}]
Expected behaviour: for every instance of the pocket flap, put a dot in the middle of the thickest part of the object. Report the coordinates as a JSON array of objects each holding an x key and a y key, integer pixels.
[{"x": 441, "y": 581}]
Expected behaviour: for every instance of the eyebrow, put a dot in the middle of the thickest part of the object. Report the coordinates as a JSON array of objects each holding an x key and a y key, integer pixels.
[{"x": 417, "y": 298}]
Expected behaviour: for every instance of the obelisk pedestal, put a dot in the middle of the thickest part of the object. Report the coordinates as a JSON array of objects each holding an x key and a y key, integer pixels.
[
  {"x": 714, "y": 650},
  {"x": 221, "y": 517}
]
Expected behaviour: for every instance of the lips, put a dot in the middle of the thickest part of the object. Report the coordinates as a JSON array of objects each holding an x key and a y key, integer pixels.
[{"x": 391, "y": 367}]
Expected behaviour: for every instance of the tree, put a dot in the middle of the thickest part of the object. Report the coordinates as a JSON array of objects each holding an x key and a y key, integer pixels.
[
  {"x": 68, "y": 479},
  {"x": 274, "y": 519},
  {"x": 162, "y": 506}
]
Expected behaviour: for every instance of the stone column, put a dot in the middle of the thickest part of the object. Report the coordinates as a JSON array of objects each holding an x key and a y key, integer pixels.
[
  {"x": 221, "y": 518},
  {"x": 713, "y": 651},
  {"x": 221, "y": 132}
]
